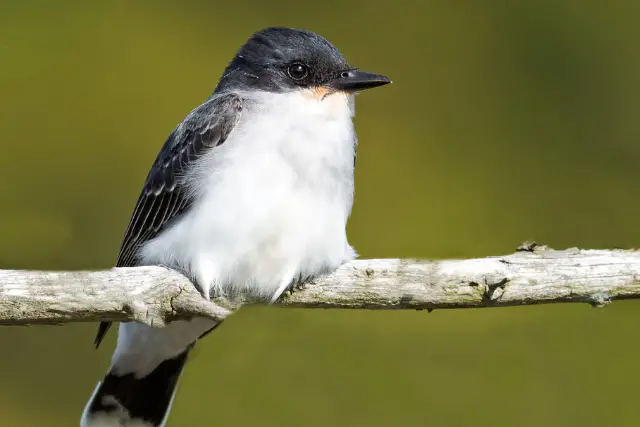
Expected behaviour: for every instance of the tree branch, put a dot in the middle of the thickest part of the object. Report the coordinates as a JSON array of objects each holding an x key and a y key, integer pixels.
[{"x": 156, "y": 295}]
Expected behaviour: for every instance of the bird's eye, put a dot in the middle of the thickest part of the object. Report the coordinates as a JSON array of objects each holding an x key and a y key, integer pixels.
[{"x": 298, "y": 71}]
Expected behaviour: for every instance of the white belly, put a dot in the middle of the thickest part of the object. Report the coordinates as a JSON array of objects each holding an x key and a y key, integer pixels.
[{"x": 272, "y": 201}]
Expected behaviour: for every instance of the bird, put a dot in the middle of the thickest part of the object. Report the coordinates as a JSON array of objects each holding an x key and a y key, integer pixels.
[{"x": 250, "y": 193}]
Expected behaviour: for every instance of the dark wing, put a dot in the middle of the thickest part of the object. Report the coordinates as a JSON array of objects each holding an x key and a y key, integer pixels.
[{"x": 164, "y": 197}]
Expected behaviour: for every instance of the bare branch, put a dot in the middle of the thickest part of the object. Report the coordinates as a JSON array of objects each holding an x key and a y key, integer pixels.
[
  {"x": 152, "y": 295},
  {"x": 156, "y": 295}
]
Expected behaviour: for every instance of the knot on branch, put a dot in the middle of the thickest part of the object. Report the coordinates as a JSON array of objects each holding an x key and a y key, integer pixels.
[
  {"x": 600, "y": 300},
  {"x": 492, "y": 291}
]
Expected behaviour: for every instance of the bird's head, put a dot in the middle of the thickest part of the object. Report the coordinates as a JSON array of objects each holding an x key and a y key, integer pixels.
[{"x": 283, "y": 60}]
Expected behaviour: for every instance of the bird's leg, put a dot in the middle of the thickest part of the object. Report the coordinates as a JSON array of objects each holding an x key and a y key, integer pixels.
[{"x": 297, "y": 285}]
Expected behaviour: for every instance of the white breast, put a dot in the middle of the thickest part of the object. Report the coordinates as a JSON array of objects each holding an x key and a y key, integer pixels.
[{"x": 272, "y": 202}]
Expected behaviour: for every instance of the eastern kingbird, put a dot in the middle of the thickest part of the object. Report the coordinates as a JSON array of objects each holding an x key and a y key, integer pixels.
[{"x": 250, "y": 193}]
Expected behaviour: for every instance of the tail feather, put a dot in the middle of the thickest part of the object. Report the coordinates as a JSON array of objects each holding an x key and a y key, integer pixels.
[{"x": 128, "y": 401}]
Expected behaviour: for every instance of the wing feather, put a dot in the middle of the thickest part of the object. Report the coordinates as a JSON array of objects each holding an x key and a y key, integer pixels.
[{"x": 165, "y": 198}]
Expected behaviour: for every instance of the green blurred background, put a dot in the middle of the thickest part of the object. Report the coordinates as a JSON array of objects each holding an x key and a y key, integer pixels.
[{"x": 507, "y": 120}]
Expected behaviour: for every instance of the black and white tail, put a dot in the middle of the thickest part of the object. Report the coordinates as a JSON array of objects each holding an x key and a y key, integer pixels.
[
  {"x": 141, "y": 384},
  {"x": 128, "y": 401}
]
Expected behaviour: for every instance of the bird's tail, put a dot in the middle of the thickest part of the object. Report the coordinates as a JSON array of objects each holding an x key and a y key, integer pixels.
[{"x": 128, "y": 401}]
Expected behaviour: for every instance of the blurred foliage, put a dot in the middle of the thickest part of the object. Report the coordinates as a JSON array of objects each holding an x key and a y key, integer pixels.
[{"x": 508, "y": 120}]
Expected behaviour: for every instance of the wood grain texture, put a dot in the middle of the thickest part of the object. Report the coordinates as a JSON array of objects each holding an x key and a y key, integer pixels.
[{"x": 156, "y": 295}]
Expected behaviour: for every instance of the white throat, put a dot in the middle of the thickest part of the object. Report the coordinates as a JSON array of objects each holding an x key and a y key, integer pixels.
[{"x": 272, "y": 202}]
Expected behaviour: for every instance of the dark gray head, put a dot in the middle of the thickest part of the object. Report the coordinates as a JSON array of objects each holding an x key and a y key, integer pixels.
[{"x": 284, "y": 59}]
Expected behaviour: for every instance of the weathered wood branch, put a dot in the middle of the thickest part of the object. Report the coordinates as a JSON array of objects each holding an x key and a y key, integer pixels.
[{"x": 156, "y": 295}]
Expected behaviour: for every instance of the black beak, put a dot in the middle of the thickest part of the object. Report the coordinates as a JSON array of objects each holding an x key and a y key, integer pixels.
[{"x": 355, "y": 80}]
